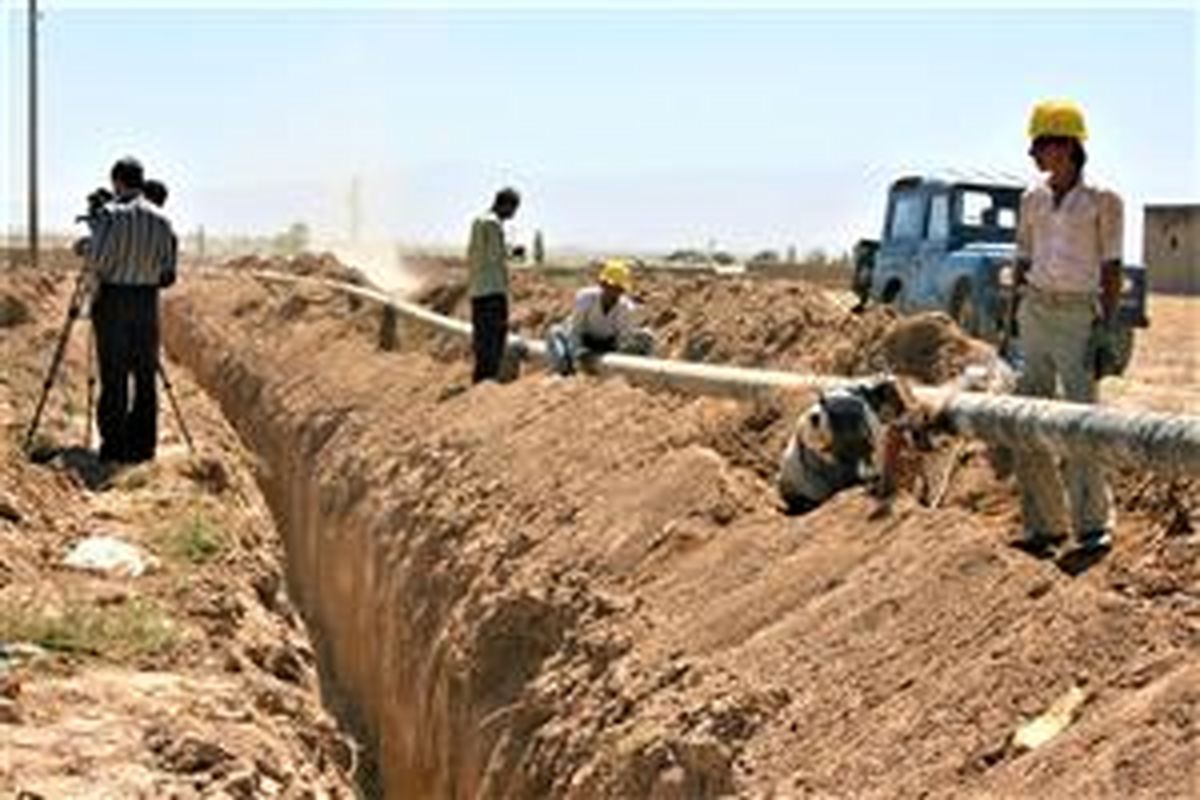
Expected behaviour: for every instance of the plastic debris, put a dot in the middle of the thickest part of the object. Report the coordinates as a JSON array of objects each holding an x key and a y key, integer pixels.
[
  {"x": 109, "y": 555},
  {"x": 1051, "y": 722}
]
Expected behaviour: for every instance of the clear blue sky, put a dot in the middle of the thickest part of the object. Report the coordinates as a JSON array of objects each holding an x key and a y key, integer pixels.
[{"x": 623, "y": 128}]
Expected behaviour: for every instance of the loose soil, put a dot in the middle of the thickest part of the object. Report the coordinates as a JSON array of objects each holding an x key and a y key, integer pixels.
[{"x": 577, "y": 588}]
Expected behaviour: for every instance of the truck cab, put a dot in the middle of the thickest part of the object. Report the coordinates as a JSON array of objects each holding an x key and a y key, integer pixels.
[{"x": 948, "y": 244}]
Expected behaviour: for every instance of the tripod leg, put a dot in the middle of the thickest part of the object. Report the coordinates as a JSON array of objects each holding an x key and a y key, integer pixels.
[
  {"x": 187, "y": 437},
  {"x": 91, "y": 388},
  {"x": 55, "y": 362}
]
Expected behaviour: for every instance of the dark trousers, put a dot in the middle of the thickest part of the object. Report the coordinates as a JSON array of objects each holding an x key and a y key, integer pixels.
[
  {"x": 598, "y": 344},
  {"x": 126, "y": 323},
  {"x": 489, "y": 332}
]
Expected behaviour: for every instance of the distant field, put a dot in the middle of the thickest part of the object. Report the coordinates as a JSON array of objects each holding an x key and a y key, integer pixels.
[{"x": 1165, "y": 373}]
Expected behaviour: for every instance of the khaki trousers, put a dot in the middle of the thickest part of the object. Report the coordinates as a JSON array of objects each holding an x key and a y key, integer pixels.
[{"x": 1054, "y": 333}]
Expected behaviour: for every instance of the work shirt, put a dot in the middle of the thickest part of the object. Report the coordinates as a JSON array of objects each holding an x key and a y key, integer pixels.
[
  {"x": 589, "y": 319},
  {"x": 486, "y": 257},
  {"x": 132, "y": 243},
  {"x": 1065, "y": 246}
]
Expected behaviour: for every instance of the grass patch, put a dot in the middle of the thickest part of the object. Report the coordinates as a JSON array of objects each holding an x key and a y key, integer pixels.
[
  {"x": 121, "y": 632},
  {"x": 136, "y": 477},
  {"x": 195, "y": 540}
]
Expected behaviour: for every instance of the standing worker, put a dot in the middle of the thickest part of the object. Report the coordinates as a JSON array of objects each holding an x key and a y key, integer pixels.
[
  {"x": 487, "y": 261},
  {"x": 1069, "y": 248},
  {"x": 131, "y": 253}
]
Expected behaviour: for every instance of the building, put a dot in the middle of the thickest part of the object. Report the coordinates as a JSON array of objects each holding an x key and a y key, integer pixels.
[{"x": 1171, "y": 247}]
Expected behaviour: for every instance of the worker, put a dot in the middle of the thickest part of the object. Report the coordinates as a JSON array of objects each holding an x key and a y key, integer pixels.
[
  {"x": 602, "y": 321},
  {"x": 156, "y": 192},
  {"x": 846, "y": 438},
  {"x": 1068, "y": 272},
  {"x": 131, "y": 254},
  {"x": 487, "y": 260}
]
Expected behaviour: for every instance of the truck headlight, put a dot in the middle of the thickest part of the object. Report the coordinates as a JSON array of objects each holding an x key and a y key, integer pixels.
[{"x": 1007, "y": 275}]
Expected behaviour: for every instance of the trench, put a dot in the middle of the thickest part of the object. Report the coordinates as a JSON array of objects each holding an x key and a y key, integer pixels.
[
  {"x": 380, "y": 587},
  {"x": 329, "y": 569}
]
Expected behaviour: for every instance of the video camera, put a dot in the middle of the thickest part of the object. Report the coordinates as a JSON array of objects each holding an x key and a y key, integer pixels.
[{"x": 95, "y": 201}]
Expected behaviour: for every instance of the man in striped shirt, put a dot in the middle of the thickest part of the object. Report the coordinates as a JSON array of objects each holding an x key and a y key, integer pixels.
[{"x": 131, "y": 254}]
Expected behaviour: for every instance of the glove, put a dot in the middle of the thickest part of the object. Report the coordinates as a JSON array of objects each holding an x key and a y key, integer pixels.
[{"x": 1110, "y": 347}]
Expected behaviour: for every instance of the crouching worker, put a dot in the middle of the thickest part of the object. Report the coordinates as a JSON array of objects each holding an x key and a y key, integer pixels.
[
  {"x": 601, "y": 322},
  {"x": 850, "y": 437}
]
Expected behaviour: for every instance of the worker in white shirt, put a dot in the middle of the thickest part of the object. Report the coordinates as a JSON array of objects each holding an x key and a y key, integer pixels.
[
  {"x": 602, "y": 322},
  {"x": 1069, "y": 248}
]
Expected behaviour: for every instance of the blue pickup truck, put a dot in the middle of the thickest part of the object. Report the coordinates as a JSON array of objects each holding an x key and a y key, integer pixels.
[{"x": 948, "y": 244}]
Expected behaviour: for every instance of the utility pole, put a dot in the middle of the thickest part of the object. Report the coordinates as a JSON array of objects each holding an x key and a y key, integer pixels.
[{"x": 33, "y": 136}]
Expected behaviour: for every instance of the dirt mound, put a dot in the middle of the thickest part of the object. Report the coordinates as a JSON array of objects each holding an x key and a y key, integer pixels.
[
  {"x": 315, "y": 265},
  {"x": 786, "y": 324},
  {"x": 563, "y": 588},
  {"x": 929, "y": 347}
]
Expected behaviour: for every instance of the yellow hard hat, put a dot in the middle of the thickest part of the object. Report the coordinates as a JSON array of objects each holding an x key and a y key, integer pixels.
[
  {"x": 1057, "y": 118},
  {"x": 616, "y": 273}
]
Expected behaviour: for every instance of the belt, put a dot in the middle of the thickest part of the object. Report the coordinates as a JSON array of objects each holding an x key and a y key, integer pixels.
[{"x": 1061, "y": 299}]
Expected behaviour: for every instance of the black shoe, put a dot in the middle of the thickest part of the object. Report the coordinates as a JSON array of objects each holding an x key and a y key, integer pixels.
[
  {"x": 1096, "y": 541},
  {"x": 1039, "y": 545},
  {"x": 1090, "y": 549}
]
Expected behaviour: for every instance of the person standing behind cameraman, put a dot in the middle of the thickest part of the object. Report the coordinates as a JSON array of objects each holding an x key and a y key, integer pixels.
[{"x": 132, "y": 254}]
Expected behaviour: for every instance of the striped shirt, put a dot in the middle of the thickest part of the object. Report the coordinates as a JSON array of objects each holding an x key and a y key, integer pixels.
[{"x": 132, "y": 244}]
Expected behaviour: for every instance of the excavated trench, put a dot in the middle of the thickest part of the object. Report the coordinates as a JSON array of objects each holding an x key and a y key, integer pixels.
[{"x": 563, "y": 589}]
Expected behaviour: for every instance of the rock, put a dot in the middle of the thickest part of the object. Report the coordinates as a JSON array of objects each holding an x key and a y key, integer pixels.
[
  {"x": 241, "y": 785},
  {"x": 9, "y": 511},
  {"x": 188, "y": 754},
  {"x": 18, "y": 652},
  {"x": 13, "y": 310},
  {"x": 209, "y": 473},
  {"x": 110, "y": 555},
  {"x": 10, "y": 712},
  {"x": 10, "y": 686}
]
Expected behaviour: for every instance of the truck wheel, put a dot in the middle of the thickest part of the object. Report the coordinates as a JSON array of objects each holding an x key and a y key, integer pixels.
[
  {"x": 962, "y": 308},
  {"x": 890, "y": 292}
]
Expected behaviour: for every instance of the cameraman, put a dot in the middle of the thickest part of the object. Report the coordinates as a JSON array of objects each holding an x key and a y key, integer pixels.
[{"x": 131, "y": 254}]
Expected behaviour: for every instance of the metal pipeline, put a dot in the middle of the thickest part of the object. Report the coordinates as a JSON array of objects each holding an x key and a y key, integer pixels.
[{"x": 1167, "y": 444}]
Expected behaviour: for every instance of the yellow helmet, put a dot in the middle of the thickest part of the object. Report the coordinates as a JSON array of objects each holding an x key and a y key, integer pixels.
[
  {"x": 616, "y": 273},
  {"x": 1057, "y": 118}
]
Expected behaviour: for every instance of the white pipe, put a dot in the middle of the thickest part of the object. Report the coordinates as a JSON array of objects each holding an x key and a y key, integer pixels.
[{"x": 1153, "y": 441}]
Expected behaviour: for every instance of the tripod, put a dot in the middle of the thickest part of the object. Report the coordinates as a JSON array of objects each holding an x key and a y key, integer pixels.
[{"x": 79, "y": 296}]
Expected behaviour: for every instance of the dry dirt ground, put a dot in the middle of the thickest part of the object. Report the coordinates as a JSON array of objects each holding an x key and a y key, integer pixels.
[
  {"x": 1165, "y": 372},
  {"x": 196, "y": 679},
  {"x": 579, "y": 588},
  {"x": 556, "y": 587}
]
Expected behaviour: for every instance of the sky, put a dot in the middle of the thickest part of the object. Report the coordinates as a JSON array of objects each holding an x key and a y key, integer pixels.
[{"x": 624, "y": 129}]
